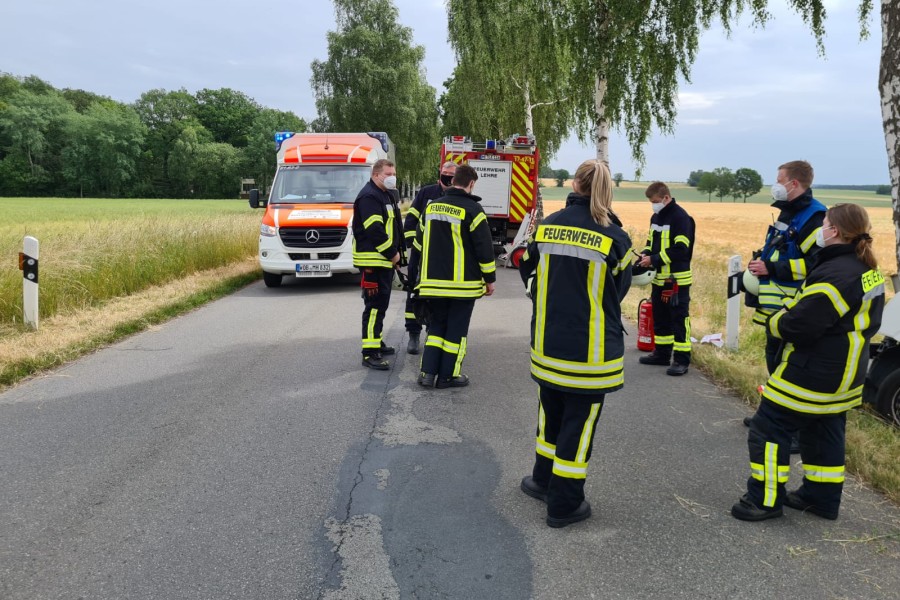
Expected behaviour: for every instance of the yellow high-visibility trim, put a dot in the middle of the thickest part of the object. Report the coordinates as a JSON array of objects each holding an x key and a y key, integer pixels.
[
  {"x": 481, "y": 218},
  {"x": 373, "y": 219},
  {"x": 585, "y": 383},
  {"x": 584, "y": 443},
  {"x": 460, "y": 355},
  {"x": 824, "y": 474},
  {"x": 489, "y": 267},
  {"x": 770, "y": 474},
  {"x": 599, "y": 367},
  {"x": 871, "y": 280},
  {"x": 569, "y": 469},
  {"x": 831, "y": 292}
]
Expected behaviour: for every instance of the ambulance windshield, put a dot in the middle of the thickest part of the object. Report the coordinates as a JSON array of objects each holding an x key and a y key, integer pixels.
[{"x": 318, "y": 184}]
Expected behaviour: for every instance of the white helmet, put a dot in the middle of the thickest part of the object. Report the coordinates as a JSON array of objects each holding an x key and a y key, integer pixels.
[
  {"x": 751, "y": 283},
  {"x": 642, "y": 275}
]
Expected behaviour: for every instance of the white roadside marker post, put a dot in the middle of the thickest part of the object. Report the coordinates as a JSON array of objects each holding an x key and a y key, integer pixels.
[
  {"x": 733, "y": 307},
  {"x": 28, "y": 263}
]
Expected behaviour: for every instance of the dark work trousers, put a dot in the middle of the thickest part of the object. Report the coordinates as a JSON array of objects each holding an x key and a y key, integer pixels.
[
  {"x": 565, "y": 434},
  {"x": 773, "y": 351},
  {"x": 445, "y": 345},
  {"x": 672, "y": 324},
  {"x": 821, "y": 450},
  {"x": 412, "y": 271},
  {"x": 373, "y": 313},
  {"x": 412, "y": 325}
]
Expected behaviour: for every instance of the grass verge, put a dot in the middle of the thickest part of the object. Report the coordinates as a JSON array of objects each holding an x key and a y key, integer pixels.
[{"x": 66, "y": 337}]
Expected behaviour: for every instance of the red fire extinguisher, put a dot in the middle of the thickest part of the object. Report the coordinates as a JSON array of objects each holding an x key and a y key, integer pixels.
[{"x": 645, "y": 342}]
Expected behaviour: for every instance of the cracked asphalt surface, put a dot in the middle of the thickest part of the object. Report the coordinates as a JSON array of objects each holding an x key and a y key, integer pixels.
[{"x": 241, "y": 451}]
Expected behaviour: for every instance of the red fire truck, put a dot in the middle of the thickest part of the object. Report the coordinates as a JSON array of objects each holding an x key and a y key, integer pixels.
[{"x": 507, "y": 184}]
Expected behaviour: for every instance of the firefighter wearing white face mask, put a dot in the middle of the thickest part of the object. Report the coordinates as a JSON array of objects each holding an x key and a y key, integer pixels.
[
  {"x": 790, "y": 245},
  {"x": 377, "y": 242}
]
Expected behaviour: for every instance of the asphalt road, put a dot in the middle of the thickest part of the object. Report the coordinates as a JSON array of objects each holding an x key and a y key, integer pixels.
[{"x": 241, "y": 451}]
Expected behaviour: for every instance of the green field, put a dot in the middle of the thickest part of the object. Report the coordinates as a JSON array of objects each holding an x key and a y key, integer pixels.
[
  {"x": 92, "y": 250},
  {"x": 634, "y": 191}
]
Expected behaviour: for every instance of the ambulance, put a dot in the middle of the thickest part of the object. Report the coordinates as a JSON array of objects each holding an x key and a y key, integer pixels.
[
  {"x": 306, "y": 230},
  {"x": 507, "y": 184}
]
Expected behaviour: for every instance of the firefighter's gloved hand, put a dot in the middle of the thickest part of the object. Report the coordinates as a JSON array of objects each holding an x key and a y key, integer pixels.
[
  {"x": 666, "y": 296},
  {"x": 368, "y": 283},
  {"x": 529, "y": 287}
]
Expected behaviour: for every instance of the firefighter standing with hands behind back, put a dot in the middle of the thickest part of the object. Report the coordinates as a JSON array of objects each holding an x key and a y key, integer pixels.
[
  {"x": 377, "y": 242},
  {"x": 410, "y": 225},
  {"x": 669, "y": 248}
]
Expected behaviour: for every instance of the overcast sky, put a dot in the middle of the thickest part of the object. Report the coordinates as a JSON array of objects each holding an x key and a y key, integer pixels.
[{"x": 756, "y": 100}]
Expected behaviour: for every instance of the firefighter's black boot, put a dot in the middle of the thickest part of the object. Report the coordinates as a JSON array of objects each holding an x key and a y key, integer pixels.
[
  {"x": 745, "y": 510},
  {"x": 533, "y": 489},
  {"x": 656, "y": 358},
  {"x": 579, "y": 514},
  {"x": 412, "y": 347}
]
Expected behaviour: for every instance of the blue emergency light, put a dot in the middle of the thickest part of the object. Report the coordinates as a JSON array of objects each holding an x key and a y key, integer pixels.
[
  {"x": 490, "y": 145},
  {"x": 381, "y": 137},
  {"x": 280, "y": 136}
]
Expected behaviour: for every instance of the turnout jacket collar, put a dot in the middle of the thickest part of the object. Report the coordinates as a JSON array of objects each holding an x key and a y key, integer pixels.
[
  {"x": 793, "y": 206},
  {"x": 455, "y": 192}
]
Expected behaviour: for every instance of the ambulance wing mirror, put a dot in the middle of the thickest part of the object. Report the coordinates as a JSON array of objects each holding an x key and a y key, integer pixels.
[{"x": 255, "y": 201}]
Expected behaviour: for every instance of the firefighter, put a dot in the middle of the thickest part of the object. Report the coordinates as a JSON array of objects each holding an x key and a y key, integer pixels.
[
  {"x": 410, "y": 225},
  {"x": 576, "y": 267},
  {"x": 669, "y": 248},
  {"x": 457, "y": 267},
  {"x": 826, "y": 330},
  {"x": 787, "y": 254},
  {"x": 377, "y": 239}
]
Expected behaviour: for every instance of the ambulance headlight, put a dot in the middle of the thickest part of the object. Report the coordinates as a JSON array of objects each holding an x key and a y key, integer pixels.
[{"x": 267, "y": 230}]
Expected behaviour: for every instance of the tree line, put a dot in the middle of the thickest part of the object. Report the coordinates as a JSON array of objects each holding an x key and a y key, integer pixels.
[
  {"x": 73, "y": 142},
  {"x": 722, "y": 182}
]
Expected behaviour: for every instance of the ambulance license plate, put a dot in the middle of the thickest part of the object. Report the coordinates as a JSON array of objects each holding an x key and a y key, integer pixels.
[{"x": 313, "y": 270}]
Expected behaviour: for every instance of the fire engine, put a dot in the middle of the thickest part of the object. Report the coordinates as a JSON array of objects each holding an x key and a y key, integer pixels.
[
  {"x": 507, "y": 184},
  {"x": 305, "y": 231}
]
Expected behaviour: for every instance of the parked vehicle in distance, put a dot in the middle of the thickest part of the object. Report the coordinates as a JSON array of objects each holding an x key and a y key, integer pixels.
[{"x": 305, "y": 230}]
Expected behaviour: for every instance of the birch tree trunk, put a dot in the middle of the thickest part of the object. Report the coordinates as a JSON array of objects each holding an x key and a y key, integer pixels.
[
  {"x": 889, "y": 84},
  {"x": 601, "y": 125},
  {"x": 529, "y": 117}
]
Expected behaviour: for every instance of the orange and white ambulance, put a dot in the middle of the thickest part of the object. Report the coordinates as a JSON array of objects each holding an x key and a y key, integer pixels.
[{"x": 305, "y": 231}]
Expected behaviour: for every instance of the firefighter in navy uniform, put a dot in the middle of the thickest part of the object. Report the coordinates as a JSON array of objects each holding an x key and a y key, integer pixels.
[
  {"x": 410, "y": 226},
  {"x": 826, "y": 330},
  {"x": 457, "y": 267},
  {"x": 377, "y": 245},
  {"x": 576, "y": 269},
  {"x": 669, "y": 248}
]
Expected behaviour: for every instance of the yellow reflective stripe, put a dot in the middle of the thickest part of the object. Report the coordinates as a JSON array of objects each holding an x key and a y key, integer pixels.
[
  {"x": 824, "y": 474},
  {"x": 569, "y": 469},
  {"x": 540, "y": 304},
  {"x": 373, "y": 219},
  {"x": 481, "y": 218},
  {"x": 806, "y": 244},
  {"x": 409, "y": 315},
  {"x": 439, "y": 342},
  {"x": 462, "y": 285},
  {"x": 584, "y": 443},
  {"x": 830, "y": 292},
  {"x": 384, "y": 246},
  {"x": 488, "y": 267},
  {"x": 586, "y": 383},
  {"x": 843, "y": 403},
  {"x": 459, "y": 254},
  {"x": 544, "y": 449},
  {"x": 461, "y": 354},
  {"x": 798, "y": 268},
  {"x": 855, "y": 344},
  {"x": 410, "y": 234},
  {"x": 770, "y": 474},
  {"x": 758, "y": 472},
  {"x": 417, "y": 245},
  {"x": 599, "y": 367},
  {"x": 370, "y": 341},
  {"x": 665, "y": 340},
  {"x": 682, "y": 239},
  {"x": 414, "y": 212},
  {"x": 773, "y": 324}
]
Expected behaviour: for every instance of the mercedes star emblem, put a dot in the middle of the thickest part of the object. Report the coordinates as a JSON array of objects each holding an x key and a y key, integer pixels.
[{"x": 312, "y": 236}]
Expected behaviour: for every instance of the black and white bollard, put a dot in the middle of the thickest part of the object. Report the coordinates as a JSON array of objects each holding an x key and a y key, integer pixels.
[
  {"x": 733, "y": 306},
  {"x": 28, "y": 263}
]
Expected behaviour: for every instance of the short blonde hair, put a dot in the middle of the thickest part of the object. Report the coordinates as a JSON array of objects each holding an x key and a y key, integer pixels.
[{"x": 593, "y": 177}]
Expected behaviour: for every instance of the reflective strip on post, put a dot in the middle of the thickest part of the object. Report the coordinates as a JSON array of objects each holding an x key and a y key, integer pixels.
[
  {"x": 733, "y": 304},
  {"x": 28, "y": 262}
]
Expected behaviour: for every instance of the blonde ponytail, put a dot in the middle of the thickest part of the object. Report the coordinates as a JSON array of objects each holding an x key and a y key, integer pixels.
[
  {"x": 593, "y": 176},
  {"x": 851, "y": 222}
]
